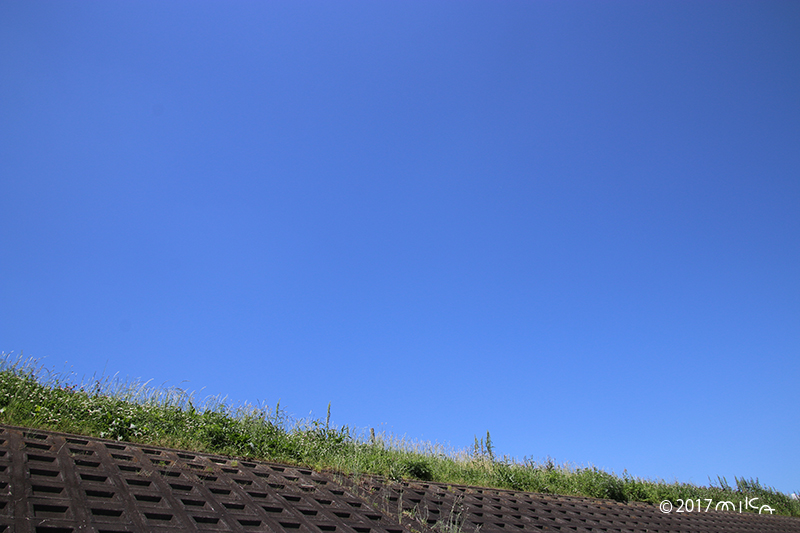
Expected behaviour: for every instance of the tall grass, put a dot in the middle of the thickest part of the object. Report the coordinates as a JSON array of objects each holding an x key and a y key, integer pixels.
[{"x": 32, "y": 396}]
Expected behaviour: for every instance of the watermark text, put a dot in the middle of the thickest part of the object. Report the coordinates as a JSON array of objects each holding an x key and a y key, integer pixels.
[{"x": 704, "y": 505}]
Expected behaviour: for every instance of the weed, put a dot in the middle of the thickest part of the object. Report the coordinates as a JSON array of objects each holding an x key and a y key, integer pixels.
[
  {"x": 32, "y": 396},
  {"x": 456, "y": 518}
]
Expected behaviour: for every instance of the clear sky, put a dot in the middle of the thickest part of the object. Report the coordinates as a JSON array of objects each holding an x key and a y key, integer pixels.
[{"x": 573, "y": 224}]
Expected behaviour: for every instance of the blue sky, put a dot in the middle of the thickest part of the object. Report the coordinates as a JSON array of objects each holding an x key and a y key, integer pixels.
[{"x": 573, "y": 224}]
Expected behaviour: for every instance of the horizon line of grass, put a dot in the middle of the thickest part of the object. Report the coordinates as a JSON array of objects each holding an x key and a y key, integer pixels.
[{"x": 32, "y": 396}]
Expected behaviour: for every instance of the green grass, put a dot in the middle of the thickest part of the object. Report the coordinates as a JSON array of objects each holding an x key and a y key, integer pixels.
[{"x": 32, "y": 396}]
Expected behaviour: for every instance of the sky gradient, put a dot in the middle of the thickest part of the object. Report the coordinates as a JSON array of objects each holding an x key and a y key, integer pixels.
[{"x": 573, "y": 224}]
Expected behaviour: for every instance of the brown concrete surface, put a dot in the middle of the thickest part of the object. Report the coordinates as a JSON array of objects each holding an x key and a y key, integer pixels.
[{"x": 58, "y": 483}]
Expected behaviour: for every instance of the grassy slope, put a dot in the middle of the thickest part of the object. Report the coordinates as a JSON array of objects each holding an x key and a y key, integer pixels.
[{"x": 32, "y": 397}]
